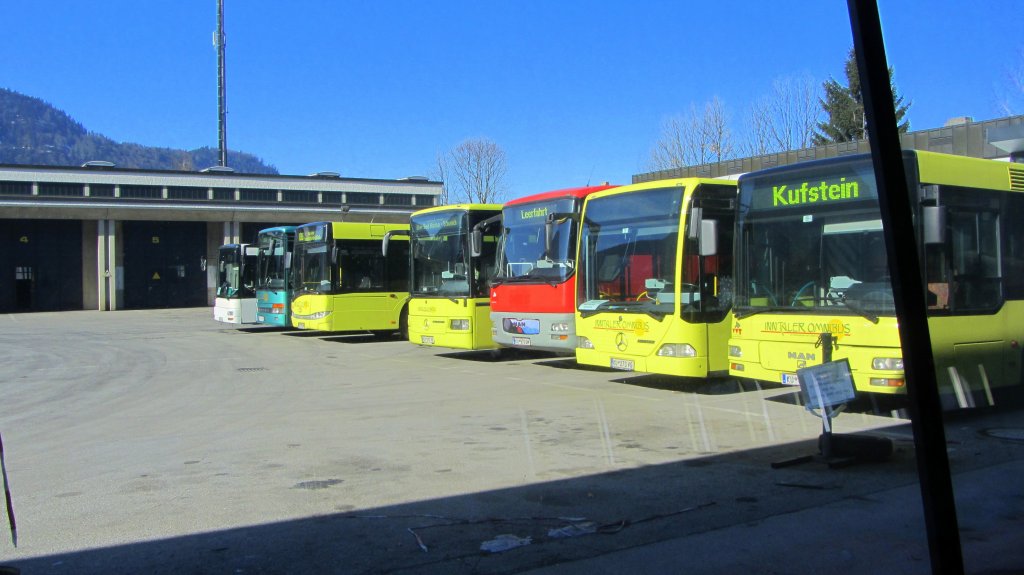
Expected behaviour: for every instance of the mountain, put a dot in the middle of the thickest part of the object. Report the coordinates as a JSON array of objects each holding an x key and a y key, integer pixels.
[{"x": 33, "y": 132}]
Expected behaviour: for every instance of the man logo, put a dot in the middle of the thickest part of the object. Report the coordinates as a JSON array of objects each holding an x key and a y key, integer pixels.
[{"x": 620, "y": 341}]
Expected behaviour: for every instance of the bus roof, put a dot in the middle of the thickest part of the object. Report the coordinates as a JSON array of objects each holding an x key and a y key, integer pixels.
[
  {"x": 459, "y": 207},
  {"x": 278, "y": 229},
  {"x": 580, "y": 192}
]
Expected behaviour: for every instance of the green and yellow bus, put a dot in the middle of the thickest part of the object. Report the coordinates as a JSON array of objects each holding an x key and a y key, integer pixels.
[
  {"x": 654, "y": 277},
  {"x": 341, "y": 282},
  {"x": 450, "y": 305},
  {"x": 810, "y": 260}
]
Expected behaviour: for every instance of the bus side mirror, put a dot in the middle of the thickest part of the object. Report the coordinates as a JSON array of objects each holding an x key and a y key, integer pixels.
[
  {"x": 708, "y": 237},
  {"x": 476, "y": 242},
  {"x": 549, "y": 228},
  {"x": 934, "y": 223},
  {"x": 288, "y": 260}
]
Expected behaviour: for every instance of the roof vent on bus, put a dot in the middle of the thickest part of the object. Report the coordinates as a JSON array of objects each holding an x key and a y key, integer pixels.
[
  {"x": 1016, "y": 178},
  {"x": 218, "y": 170},
  {"x": 325, "y": 175},
  {"x": 98, "y": 164},
  {"x": 414, "y": 179}
]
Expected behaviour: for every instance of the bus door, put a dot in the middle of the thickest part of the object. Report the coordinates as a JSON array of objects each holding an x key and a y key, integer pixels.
[{"x": 964, "y": 278}]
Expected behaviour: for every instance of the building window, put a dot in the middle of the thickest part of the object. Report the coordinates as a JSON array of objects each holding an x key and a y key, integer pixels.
[
  {"x": 332, "y": 198},
  {"x": 363, "y": 198},
  {"x": 424, "y": 200},
  {"x": 22, "y": 273},
  {"x": 101, "y": 190},
  {"x": 15, "y": 189},
  {"x": 299, "y": 196},
  {"x": 224, "y": 194},
  {"x": 186, "y": 193},
  {"x": 142, "y": 192},
  {"x": 397, "y": 200},
  {"x": 60, "y": 189},
  {"x": 258, "y": 195}
]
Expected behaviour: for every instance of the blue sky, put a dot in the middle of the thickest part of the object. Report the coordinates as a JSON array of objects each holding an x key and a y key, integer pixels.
[{"x": 573, "y": 91}]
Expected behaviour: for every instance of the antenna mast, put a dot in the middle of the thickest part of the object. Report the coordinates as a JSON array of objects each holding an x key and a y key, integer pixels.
[{"x": 222, "y": 93}]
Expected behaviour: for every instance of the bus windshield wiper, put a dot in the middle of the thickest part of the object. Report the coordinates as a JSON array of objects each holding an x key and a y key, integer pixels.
[
  {"x": 853, "y": 307},
  {"x": 740, "y": 314}
]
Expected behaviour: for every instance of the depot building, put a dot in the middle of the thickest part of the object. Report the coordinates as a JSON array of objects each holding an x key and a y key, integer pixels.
[{"x": 99, "y": 237}]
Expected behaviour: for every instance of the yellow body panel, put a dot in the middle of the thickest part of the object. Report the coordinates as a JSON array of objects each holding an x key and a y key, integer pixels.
[
  {"x": 430, "y": 322},
  {"x": 379, "y": 311},
  {"x": 975, "y": 355}
]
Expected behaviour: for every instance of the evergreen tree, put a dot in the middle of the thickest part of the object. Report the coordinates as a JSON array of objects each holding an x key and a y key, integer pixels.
[{"x": 844, "y": 106}]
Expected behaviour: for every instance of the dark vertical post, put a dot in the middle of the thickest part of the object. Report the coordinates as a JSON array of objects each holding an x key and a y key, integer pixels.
[
  {"x": 908, "y": 291},
  {"x": 222, "y": 91}
]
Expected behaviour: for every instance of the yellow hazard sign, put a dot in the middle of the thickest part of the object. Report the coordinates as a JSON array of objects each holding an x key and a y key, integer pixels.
[{"x": 156, "y": 275}]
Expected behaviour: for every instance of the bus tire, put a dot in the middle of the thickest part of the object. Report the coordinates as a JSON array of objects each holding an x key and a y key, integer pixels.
[{"x": 403, "y": 323}]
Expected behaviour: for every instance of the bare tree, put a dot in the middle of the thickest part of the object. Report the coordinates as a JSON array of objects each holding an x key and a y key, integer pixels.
[
  {"x": 441, "y": 175},
  {"x": 694, "y": 139},
  {"x": 785, "y": 118},
  {"x": 474, "y": 171}
]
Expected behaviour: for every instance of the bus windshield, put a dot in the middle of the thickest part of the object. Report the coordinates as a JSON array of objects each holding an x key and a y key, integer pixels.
[
  {"x": 273, "y": 260},
  {"x": 311, "y": 268},
  {"x": 233, "y": 279},
  {"x": 522, "y": 256},
  {"x": 628, "y": 252},
  {"x": 440, "y": 260},
  {"x": 811, "y": 240}
]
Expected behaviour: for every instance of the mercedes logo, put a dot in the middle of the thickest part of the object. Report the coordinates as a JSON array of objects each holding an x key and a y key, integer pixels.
[{"x": 620, "y": 341}]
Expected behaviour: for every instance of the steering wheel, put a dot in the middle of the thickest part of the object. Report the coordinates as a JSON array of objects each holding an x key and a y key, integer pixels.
[{"x": 799, "y": 293}]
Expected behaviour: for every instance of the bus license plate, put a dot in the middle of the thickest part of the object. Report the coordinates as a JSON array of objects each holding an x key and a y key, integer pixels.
[
  {"x": 427, "y": 339},
  {"x": 302, "y": 325},
  {"x": 260, "y": 318},
  {"x": 623, "y": 364},
  {"x": 520, "y": 341},
  {"x": 790, "y": 379}
]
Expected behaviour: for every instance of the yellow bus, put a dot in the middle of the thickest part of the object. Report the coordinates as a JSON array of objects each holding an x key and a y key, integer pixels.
[
  {"x": 450, "y": 305},
  {"x": 810, "y": 260},
  {"x": 341, "y": 282},
  {"x": 653, "y": 287}
]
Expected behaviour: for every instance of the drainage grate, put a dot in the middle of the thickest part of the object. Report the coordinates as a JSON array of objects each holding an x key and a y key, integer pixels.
[{"x": 247, "y": 369}]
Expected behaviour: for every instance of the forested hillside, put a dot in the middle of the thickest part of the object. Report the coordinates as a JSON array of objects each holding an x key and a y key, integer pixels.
[{"x": 36, "y": 133}]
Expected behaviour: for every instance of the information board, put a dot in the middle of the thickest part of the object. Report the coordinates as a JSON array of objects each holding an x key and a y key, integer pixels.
[{"x": 826, "y": 384}]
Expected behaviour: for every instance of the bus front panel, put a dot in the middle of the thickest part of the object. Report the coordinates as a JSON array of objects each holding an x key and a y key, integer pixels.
[{"x": 459, "y": 323}]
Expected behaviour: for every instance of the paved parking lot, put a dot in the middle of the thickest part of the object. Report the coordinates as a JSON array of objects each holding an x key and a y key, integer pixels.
[{"x": 162, "y": 441}]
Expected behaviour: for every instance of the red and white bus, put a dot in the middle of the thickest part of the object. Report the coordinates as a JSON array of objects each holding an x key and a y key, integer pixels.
[{"x": 533, "y": 294}]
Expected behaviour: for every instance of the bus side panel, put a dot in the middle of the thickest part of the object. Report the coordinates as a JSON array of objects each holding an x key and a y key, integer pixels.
[
  {"x": 430, "y": 323},
  {"x": 367, "y": 311}
]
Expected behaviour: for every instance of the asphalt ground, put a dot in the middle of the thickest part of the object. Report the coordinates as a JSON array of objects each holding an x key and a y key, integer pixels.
[{"x": 163, "y": 442}]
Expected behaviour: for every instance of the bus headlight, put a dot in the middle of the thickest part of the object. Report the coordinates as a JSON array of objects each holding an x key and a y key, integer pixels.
[
  {"x": 891, "y": 363},
  {"x": 583, "y": 342},
  {"x": 735, "y": 351},
  {"x": 677, "y": 350},
  {"x": 459, "y": 324},
  {"x": 560, "y": 327}
]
